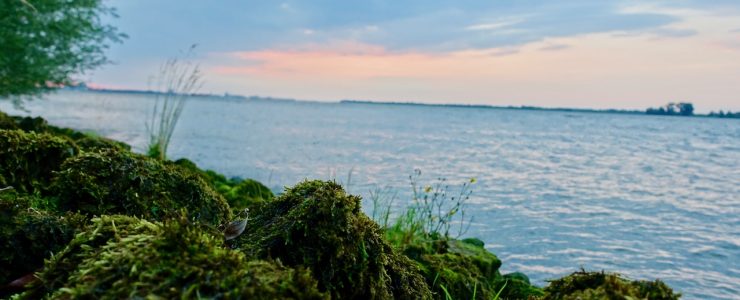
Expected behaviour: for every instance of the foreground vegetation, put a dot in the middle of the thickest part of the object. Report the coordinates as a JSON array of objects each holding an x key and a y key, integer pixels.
[
  {"x": 46, "y": 42},
  {"x": 84, "y": 217}
]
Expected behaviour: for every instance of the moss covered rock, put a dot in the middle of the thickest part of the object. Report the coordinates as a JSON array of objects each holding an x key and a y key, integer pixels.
[
  {"x": 461, "y": 268},
  {"x": 27, "y": 160},
  {"x": 7, "y": 122},
  {"x": 466, "y": 268},
  {"x": 30, "y": 234},
  {"x": 240, "y": 194},
  {"x": 32, "y": 124},
  {"x": 599, "y": 285},
  {"x": 317, "y": 225},
  {"x": 247, "y": 193},
  {"x": 85, "y": 141},
  {"x": 89, "y": 141},
  {"x": 114, "y": 181},
  {"x": 121, "y": 257},
  {"x": 516, "y": 288}
]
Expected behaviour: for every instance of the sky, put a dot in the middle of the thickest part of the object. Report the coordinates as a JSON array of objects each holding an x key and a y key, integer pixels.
[{"x": 577, "y": 53}]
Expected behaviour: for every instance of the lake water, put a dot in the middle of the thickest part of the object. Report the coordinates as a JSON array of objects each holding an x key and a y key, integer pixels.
[{"x": 648, "y": 196}]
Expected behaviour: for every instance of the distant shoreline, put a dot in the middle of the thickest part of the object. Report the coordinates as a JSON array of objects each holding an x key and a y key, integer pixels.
[
  {"x": 231, "y": 97},
  {"x": 532, "y": 108},
  {"x": 510, "y": 107}
]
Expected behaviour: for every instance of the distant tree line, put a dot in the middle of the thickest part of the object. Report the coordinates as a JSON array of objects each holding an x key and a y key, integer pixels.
[
  {"x": 722, "y": 114},
  {"x": 673, "y": 109},
  {"x": 687, "y": 109}
]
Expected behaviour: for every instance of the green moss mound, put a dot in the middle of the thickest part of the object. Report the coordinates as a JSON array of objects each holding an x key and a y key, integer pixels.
[
  {"x": 7, "y": 122},
  {"x": 88, "y": 141},
  {"x": 122, "y": 257},
  {"x": 32, "y": 124},
  {"x": 27, "y": 160},
  {"x": 515, "y": 288},
  {"x": 240, "y": 194},
  {"x": 120, "y": 182},
  {"x": 247, "y": 193},
  {"x": 29, "y": 235},
  {"x": 317, "y": 225},
  {"x": 463, "y": 269},
  {"x": 85, "y": 141},
  {"x": 599, "y": 285}
]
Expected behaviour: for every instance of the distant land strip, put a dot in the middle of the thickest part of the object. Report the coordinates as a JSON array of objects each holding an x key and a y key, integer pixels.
[{"x": 227, "y": 96}]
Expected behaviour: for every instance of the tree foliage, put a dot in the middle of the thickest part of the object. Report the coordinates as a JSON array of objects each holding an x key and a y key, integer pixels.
[
  {"x": 44, "y": 42},
  {"x": 671, "y": 109}
]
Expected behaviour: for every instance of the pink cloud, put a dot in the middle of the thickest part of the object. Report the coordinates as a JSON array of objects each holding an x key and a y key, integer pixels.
[
  {"x": 99, "y": 86},
  {"x": 348, "y": 60}
]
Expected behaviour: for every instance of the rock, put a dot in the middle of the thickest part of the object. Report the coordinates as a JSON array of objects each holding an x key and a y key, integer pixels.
[
  {"x": 114, "y": 181},
  {"x": 317, "y": 225},
  {"x": 475, "y": 242},
  {"x": 461, "y": 268},
  {"x": 599, "y": 285},
  {"x": 240, "y": 194},
  {"x": 517, "y": 276},
  {"x": 120, "y": 257},
  {"x": 29, "y": 234},
  {"x": 84, "y": 141},
  {"x": 28, "y": 160}
]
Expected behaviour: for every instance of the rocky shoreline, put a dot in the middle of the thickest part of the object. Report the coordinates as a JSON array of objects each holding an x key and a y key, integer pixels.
[{"x": 84, "y": 217}]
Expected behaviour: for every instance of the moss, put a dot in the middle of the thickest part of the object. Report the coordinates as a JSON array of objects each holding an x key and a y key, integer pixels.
[
  {"x": 240, "y": 194},
  {"x": 88, "y": 141},
  {"x": 513, "y": 288},
  {"x": 123, "y": 257},
  {"x": 212, "y": 177},
  {"x": 32, "y": 124},
  {"x": 317, "y": 225},
  {"x": 188, "y": 165},
  {"x": 463, "y": 268},
  {"x": 30, "y": 234},
  {"x": 84, "y": 141},
  {"x": 27, "y": 160},
  {"x": 517, "y": 286},
  {"x": 460, "y": 268},
  {"x": 517, "y": 276},
  {"x": 486, "y": 262},
  {"x": 247, "y": 193},
  {"x": 600, "y": 285},
  {"x": 120, "y": 182},
  {"x": 7, "y": 122}
]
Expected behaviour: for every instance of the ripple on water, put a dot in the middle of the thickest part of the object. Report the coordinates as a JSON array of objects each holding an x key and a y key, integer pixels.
[{"x": 647, "y": 196}]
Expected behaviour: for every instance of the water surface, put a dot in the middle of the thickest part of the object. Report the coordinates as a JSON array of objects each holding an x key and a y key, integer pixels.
[{"x": 649, "y": 196}]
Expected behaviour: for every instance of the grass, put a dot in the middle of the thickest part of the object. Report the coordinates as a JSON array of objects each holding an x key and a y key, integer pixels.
[
  {"x": 437, "y": 206},
  {"x": 447, "y": 294},
  {"x": 177, "y": 80},
  {"x": 437, "y": 209},
  {"x": 498, "y": 294},
  {"x": 475, "y": 289},
  {"x": 382, "y": 200}
]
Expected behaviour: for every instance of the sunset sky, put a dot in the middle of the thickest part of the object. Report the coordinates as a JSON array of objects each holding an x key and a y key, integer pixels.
[{"x": 596, "y": 54}]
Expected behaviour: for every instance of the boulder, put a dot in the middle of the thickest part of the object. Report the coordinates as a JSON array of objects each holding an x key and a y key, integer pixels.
[
  {"x": 120, "y": 257},
  {"x": 317, "y": 225},
  {"x": 113, "y": 181}
]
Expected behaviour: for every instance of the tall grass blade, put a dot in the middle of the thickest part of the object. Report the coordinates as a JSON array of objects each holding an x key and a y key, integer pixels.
[{"x": 178, "y": 79}]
